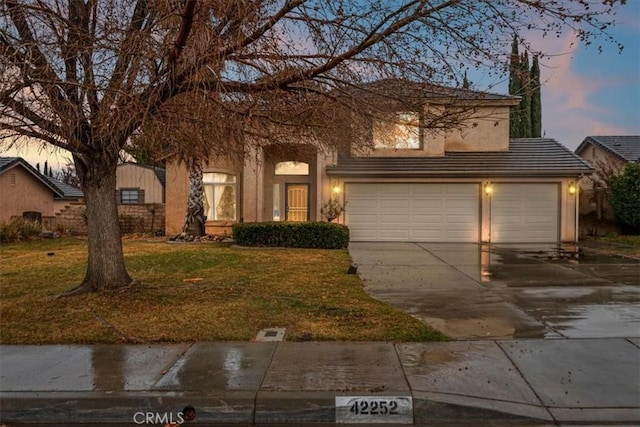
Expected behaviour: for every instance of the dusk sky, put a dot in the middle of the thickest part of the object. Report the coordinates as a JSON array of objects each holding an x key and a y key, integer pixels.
[
  {"x": 584, "y": 92},
  {"x": 590, "y": 93}
]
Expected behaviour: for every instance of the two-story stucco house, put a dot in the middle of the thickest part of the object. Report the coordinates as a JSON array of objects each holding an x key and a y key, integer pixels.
[{"x": 468, "y": 184}]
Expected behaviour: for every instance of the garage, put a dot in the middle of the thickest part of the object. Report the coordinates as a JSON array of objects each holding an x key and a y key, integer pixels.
[
  {"x": 524, "y": 212},
  {"x": 413, "y": 212}
]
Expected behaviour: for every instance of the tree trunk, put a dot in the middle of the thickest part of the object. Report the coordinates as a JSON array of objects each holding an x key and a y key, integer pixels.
[
  {"x": 195, "y": 217},
  {"x": 105, "y": 268}
]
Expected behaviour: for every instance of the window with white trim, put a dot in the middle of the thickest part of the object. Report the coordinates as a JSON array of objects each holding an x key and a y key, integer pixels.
[
  {"x": 400, "y": 132},
  {"x": 220, "y": 196}
]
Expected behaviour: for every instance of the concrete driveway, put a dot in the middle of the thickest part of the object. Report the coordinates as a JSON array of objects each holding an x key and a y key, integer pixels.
[{"x": 472, "y": 291}]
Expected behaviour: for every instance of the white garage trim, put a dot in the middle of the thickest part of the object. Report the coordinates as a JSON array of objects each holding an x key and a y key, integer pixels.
[
  {"x": 525, "y": 212},
  {"x": 413, "y": 212}
]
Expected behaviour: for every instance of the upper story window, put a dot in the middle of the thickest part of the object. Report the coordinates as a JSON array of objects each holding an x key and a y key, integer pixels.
[
  {"x": 400, "y": 132},
  {"x": 220, "y": 196},
  {"x": 292, "y": 168}
]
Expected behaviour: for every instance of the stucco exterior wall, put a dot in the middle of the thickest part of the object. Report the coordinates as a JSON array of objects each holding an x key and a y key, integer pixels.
[
  {"x": 597, "y": 157},
  {"x": 486, "y": 130},
  {"x": 129, "y": 175},
  {"x": 20, "y": 191},
  {"x": 177, "y": 190}
]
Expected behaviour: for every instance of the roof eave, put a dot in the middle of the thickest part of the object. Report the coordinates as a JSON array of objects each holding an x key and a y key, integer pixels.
[{"x": 459, "y": 174}]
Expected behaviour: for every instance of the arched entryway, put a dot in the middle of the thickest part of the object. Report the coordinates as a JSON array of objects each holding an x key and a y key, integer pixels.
[{"x": 290, "y": 188}]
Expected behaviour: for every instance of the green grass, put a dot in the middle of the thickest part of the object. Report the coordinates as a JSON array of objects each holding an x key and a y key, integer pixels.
[
  {"x": 614, "y": 244},
  {"x": 192, "y": 292}
]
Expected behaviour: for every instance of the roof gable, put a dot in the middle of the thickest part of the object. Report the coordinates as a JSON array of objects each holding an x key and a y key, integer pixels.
[
  {"x": 60, "y": 189},
  {"x": 160, "y": 173},
  {"x": 625, "y": 147}
]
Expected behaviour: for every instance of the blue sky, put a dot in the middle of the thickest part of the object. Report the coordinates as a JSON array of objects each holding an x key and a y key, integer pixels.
[
  {"x": 584, "y": 92},
  {"x": 590, "y": 93}
]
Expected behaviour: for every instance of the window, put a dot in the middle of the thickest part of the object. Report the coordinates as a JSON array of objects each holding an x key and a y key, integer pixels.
[
  {"x": 400, "y": 132},
  {"x": 292, "y": 168},
  {"x": 129, "y": 195},
  {"x": 276, "y": 202},
  {"x": 220, "y": 196}
]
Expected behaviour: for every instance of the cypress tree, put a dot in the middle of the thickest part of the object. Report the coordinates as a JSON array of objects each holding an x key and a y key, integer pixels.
[
  {"x": 466, "y": 84},
  {"x": 525, "y": 92},
  {"x": 536, "y": 100},
  {"x": 514, "y": 89}
]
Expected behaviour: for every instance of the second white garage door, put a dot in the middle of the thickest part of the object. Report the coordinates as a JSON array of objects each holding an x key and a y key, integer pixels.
[
  {"x": 524, "y": 213},
  {"x": 413, "y": 212}
]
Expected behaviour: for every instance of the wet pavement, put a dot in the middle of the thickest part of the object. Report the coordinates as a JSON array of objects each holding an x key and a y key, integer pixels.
[
  {"x": 471, "y": 291},
  {"x": 510, "y": 309},
  {"x": 462, "y": 383}
]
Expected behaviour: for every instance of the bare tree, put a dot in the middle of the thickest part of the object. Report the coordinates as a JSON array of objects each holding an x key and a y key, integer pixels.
[
  {"x": 87, "y": 75},
  {"x": 68, "y": 175}
]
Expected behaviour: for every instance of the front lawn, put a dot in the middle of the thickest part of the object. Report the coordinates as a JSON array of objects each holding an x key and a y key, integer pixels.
[
  {"x": 626, "y": 245},
  {"x": 192, "y": 292}
]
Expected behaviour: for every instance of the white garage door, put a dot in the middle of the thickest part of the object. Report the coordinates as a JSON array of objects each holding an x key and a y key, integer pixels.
[
  {"x": 524, "y": 213},
  {"x": 413, "y": 212}
]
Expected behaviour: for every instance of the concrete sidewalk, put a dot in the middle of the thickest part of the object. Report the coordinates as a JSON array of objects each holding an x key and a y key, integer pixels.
[{"x": 463, "y": 383}]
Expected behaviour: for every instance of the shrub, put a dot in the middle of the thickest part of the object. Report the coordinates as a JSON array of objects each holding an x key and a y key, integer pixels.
[
  {"x": 19, "y": 229},
  {"x": 324, "y": 235},
  {"x": 331, "y": 209},
  {"x": 625, "y": 198}
]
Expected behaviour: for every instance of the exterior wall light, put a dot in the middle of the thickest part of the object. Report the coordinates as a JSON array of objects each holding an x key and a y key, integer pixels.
[
  {"x": 336, "y": 189},
  {"x": 488, "y": 189},
  {"x": 572, "y": 188}
]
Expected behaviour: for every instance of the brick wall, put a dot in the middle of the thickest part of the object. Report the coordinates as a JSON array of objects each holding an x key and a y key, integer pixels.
[{"x": 134, "y": 218}]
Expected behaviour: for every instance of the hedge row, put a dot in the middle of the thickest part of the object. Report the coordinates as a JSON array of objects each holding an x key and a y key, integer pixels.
[{"x": 323, "y": 235}]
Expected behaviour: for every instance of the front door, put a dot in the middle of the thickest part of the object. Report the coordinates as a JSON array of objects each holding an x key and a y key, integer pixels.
[{"x": 297, "y": 202}]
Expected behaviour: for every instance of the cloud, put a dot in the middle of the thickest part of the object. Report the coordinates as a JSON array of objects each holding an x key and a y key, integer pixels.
[{"x": 575, "y": 98}]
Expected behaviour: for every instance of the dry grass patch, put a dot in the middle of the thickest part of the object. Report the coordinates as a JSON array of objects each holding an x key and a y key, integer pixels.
[
  {"x": 625, "y": 245},
  {"x": 192, "y": 292}
]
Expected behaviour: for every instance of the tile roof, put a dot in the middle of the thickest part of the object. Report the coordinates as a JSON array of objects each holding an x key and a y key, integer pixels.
[
  {"x": 626, "y": 147},
  {"x": 411, "y": 91},
  {"x": 59, "y": 188},
  {"x": 69, "y": 191},
  {"x": 534, "y": 157}
]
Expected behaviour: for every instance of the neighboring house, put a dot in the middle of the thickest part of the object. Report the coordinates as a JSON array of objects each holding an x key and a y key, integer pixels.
[
  {"x": 608, "y": 154},
  {"x": 24, "y": 189},
  {"x": 461, "y": 185},
  {"x": 139, "y": 184}
]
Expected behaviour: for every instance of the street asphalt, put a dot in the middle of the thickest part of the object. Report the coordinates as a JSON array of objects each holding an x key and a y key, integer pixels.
[{"x": 542, "y": 338}]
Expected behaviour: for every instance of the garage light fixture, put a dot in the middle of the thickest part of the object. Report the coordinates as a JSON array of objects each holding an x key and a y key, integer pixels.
[
  {"x": 336, "y": 189},
  {"x": 488, "y": 188},
  {"x": 572, "y": 188}
]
